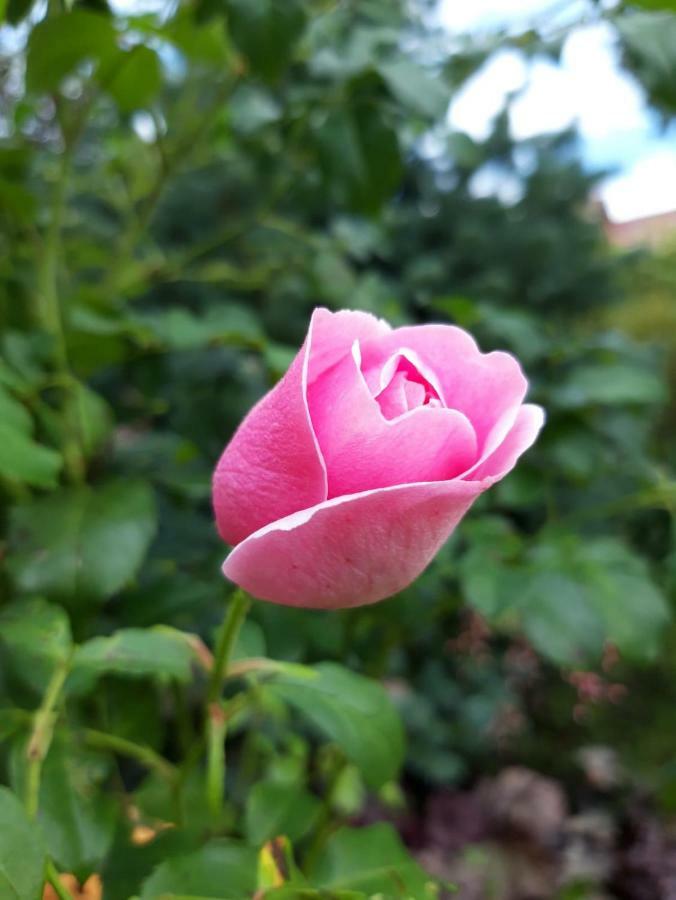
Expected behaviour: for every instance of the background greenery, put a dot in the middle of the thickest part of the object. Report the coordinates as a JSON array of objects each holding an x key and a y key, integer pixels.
[{"x": 178, "y": 190}]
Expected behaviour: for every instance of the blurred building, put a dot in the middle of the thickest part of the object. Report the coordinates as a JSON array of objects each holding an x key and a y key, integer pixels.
[{"x": 647, "y": 231}]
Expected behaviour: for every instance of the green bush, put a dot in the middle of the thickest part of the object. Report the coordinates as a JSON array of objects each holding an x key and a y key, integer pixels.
[{"x": 177, "y": 192}]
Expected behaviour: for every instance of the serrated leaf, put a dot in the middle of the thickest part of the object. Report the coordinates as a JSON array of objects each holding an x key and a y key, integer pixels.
[
  {"x": 634, "y": 611},
  {"x": 373, "y": 860},
  {"x": 610, "y": 384},
  {"x": 276, "y": 865},
  {"x": 36, "y": 637},
  {"x": 274, "y": 808},
  {"x": 58, "y": 44},
  {"x": 76, "y": 817},
  {"x": 132, "y": 653},
  {"x": 13, "y": 413},
  {"x": 95, "y": 418},
  {"x": 360, "y": 156},
  {"x": 578, "y": 595},
  {"x": 266, "y": 32},
  {"x": 180, "y": 329},
  {"x": 24, "y": 460},
  {"x": 22, "y": 852},
  {"x": 416, "y": 88},
  {"x": 81, "y": 544},
  {"x": 559, "y": 619},
  {"x": 649, "y": 43},
  {"x": 136, "y": 79},
  {"x": 353, "y": 711},
  {"x": 223, "y": 869}
]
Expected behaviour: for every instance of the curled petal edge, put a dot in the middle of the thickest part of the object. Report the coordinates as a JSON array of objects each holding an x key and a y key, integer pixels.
[{"x": 361, "y": 548}]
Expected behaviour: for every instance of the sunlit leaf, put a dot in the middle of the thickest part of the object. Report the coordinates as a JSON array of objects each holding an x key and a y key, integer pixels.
[{"x": 82, "y": 544}]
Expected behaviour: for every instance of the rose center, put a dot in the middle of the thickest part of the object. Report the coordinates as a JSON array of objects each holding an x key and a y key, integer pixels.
[{"x": 406, "y": 389}]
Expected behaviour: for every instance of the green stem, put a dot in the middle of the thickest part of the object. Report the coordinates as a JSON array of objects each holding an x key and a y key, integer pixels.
[
  {"x": 142, "y": 754},
  {"x": 52, "y": 319},
  {"x": 170, "y": 163},
  {"x": 237, "y": 611},
  {"x": 325, "y": 824},
  {"x": 216, "y": 717},
  {"x": 52, "y": 876},
  {"x": 215, "y": 783},
  {"x": 40, "y": 739}
]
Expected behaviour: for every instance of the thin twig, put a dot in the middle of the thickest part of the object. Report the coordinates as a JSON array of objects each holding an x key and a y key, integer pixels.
[
  {"x": 41, "y": 735},
  {"x": 52, "y": 876}
]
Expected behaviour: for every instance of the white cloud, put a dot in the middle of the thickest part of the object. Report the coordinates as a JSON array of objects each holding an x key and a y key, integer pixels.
[
  {"x": 484, "y": 95},
  {"x": 606, "y": 99},
  {"x": 546, "y": 105},
  {"x": 468, "y": 15},
  {"x": 648, "y": 187},
  {"x": 588, "y": 89}
]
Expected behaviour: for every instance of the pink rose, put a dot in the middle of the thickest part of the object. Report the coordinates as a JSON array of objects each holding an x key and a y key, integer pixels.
[{"x": 343, "y": 482}]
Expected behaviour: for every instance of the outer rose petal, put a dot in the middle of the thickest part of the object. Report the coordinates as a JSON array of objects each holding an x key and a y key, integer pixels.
[
  {"x": 525, "y": 430},
  {"x": 333, "y": 335},
  {"x": 487, "y": 387},
  {"x": 351, "y": 550},
  {"x": 272, "y": 466}
]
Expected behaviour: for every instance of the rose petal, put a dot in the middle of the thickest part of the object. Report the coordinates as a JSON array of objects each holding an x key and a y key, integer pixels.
[
  {"x": 400, "y": 396},
  {"x": 487, "y": 387},
  {"x": 364, "y": 450},
  {"x": 272, "y": 466},
  {"x": 333, "y": 335},
  {"x": 350, "y": 550},
  {"x": 522, "y": 435},
  {"x": 378, "y": 377}
]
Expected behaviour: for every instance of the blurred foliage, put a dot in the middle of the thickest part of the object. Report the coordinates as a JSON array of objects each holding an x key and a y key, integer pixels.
[{"x": 178, "y": 189}]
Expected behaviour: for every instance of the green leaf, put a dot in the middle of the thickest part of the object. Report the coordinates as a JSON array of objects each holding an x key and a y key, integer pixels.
[
  {"x": 252, "y": 108},
  {"x": 22, "y": 852},
  {"x": 274, "y": 808},
  {"x": 649, "y": 42},
  {"x": 359, "y": 153},
  {"x": 266, "y": 32},
  {"x": 82, "y": 544},
  {"x": 559, "y": 619},
  {"x": 416, "y": 88},
  {"x": 353, "y": 711},
  {"x": 579, "y": 594},
  {"x": 222, "y": 868},
  {"x": 610, "y": 384},
  {"x": 373, "y": 860},
  {"x": 299, "y": 893},
  {"x": 634, "y": 610},
  {"x": 95, "y": 418},
  {"x": 36, "y": 636},
  {"x": 665, "y": 5},
  {"x": 13, "y": 413},
  {"x": 16, "y": 10},
  {"x": 489, "y": 583},
  {"x": 132, "y": 653},
  {"x": 202, "y": 41},
  {"x": 276, "y": 865},
  {"x": 58, "y": 44},
  {"x": 136, "y": 79},
  {"x": 76, "y": 817},
  {"x": 24, "y": 460},
  {"x": 21, "y": 458},
  {"x": 180, "y": 329}
]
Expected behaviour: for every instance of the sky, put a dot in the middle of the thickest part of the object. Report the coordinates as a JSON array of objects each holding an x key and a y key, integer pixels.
[{"x": 589, "y": 90}]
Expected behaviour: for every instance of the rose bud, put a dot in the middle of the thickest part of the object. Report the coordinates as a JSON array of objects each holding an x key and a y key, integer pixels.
[{"x": 344, "y": 480}]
